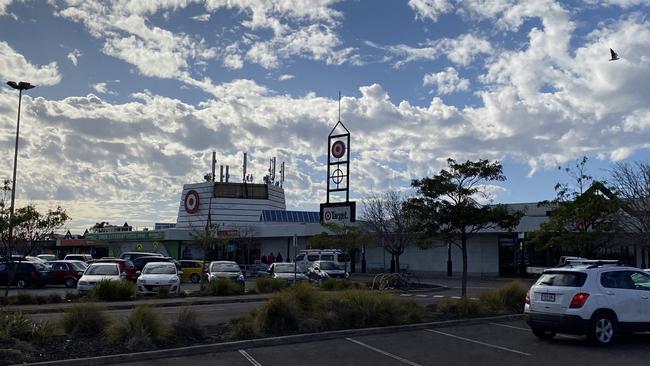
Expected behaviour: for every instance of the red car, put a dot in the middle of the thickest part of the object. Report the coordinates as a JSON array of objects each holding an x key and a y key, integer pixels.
[
  {"x": 126, "y": 266},
  {"x": 65, "y": 272}
]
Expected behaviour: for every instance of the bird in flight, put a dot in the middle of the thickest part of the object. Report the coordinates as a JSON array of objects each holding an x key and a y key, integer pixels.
[{"x": 614, "y": 55}]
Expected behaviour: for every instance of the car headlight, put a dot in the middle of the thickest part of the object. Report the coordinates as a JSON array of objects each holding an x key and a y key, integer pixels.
[
  {"x": 173, "y": 280},
  {"x": 142, "y": 280},
  {"x": 83, "y": 283}
]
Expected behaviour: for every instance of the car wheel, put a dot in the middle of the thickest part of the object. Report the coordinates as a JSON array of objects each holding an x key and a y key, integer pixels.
[
  {"x": 195, "y": 278},
  {"x": 542, "y": 333},
  {"x": 70, "y": 282},
  {"x": 602, "y": 330},
  {"x": 21, "y": 283}
]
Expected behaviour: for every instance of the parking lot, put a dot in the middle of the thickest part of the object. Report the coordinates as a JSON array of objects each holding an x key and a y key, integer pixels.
[{"x": 504, "y": 343}]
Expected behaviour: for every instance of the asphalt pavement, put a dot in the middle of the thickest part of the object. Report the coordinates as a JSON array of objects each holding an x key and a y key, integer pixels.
[{"x": 499, "y": 344}]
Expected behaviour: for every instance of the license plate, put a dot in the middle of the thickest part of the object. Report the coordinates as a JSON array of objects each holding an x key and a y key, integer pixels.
[{"x": 548, "y": 297}]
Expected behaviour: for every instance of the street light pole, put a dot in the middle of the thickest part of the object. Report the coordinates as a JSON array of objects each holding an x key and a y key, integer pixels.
[{"x": 20, "y": 86}]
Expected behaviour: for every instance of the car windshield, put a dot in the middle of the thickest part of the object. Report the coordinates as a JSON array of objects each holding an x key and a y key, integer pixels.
[
  {"x": 329, "y": 266},
  {"x": 159, "y": 269},
  {"x": 78, "y": 266},
  {"x": 284, "y": 268},
  {"x": 224, "y": 267},
  {"x": 562, "y": 279},
  {"x": 102, "y": 271}
]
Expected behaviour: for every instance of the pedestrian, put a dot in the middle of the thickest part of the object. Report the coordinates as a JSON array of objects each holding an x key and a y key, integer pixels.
[
  {"x": 279, "y": 257},
  {"x": 271, "y": 258},
  {"x": 265, "y": 260}
]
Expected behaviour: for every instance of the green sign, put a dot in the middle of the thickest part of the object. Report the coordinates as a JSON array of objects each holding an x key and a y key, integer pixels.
[
  {"x": 128, "y": 235},
  {"x": 139, "y": 247}
]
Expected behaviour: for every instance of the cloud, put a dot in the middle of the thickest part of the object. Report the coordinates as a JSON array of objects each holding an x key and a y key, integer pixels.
[
  {"x": 202, "y": 18},
  {"x": 430, "y": 9},
  {"x": 446, "y": 81},
  {"x": 14, "y": 66},
  {"x": 284, "y": 77},
  {"x": 461, "y": 50},
  {"x": 73, "y": 56},
  {"x": 102, "y": 88},
  {"x": 4, "y": 4}
]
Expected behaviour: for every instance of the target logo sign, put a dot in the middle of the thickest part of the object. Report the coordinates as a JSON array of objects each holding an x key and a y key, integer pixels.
[
  {"x": 328, "y": 216},
  {"x": 191, "y": 202},
  {"x": 338, "y": 149}
]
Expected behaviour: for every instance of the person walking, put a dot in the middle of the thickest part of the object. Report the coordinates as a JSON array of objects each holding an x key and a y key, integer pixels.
[
  {"x": 279, "y": 257},
  {"x": 271, "y": 258}
]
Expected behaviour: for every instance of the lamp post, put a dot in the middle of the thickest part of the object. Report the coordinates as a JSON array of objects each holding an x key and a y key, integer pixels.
[{"x": 20, "y": 86}]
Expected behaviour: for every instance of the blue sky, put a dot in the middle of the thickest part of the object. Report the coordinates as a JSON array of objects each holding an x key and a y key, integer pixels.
[{"x": 133, "y": 97}]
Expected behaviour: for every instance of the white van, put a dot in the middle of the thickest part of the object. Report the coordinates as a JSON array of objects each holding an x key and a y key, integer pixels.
[{"x": 305, "y": 258}]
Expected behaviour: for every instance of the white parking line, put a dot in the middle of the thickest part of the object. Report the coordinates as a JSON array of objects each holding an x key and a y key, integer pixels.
[
  {"x": 438, "y": 296},
  {"x": 398, "y": 358},
  {"x": 456, "y": 297},
  {"x": 479, "y": 342},
  {"x": 529, "y": 330},
  {"x": 249, "y": 358}
]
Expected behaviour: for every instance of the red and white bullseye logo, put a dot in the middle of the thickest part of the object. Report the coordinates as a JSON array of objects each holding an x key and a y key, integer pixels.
[
  {"x": 338, "y": 149},
  {"x": 192, "y": 202},
  {"x": 328, "y": 215}
]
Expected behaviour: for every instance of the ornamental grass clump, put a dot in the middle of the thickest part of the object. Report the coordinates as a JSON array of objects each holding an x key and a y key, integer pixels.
[
  {"x": 84, "y": 320},
  {"x": 108, "y": 290}
]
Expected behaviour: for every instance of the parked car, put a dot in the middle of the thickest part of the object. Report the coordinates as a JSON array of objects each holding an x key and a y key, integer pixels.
[
  {"x": 306, "y": 257},
  {"x": 320, "y": 270},
  {"x": 192, "y": 270},
  {"x": 97, "y": 272},
  {"x": 257, "y": 270},
  {"x": 47, "y": 257},
  {"x": 126, "y": 266},
  {"x": 225, "y": 269},
  {"x": 131, "y": 256},
  {"x": 285, "y": 271},
  {"x": 65, "y": 272},
  {"x": 27, "y": 258},
  {"x": 156, "y": 275},
  {"x": 78, "y": 257},
  {"x": 26, "y": 274},
  {"x": 140, "y": 262},
  {"x": 601, "y": 300}
]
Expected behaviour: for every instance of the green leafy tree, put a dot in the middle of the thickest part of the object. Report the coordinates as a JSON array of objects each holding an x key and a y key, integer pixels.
[
  {"x": 347, "y": 238},
  {"x": 30, "y": 227},
  {"x": 584, "y": 215},
  {"x": 447, "y": 207}
]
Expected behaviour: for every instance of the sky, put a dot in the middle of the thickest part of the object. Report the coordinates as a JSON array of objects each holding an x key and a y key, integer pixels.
[{"x": 132, "y": 97}]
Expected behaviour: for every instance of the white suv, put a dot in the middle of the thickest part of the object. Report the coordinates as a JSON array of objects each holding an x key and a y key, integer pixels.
[{"x": 599, "y": 300}]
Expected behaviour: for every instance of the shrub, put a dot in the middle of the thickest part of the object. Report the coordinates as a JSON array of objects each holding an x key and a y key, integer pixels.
[
  {"x": 305, "y": 309},
  {"x": 15, "y": 325},
  {"x": 142, "y": 328},
  {"x": 332, "y": 284},
  {"x": 107, "y": 290},
  {"x": 461, "y": 307},
  {"x": 84, "y": 320},
  {"x": 9, "y": 356},
  {"x": 508, "y": 298},
  {"x": 223, "y": 287},
  {"x": 42, "y": 332},
  {"x": 25, "y": 299},
  {"x": 54, "y": 299},
  {"x": 267, "y": 285},
  {"x": 187, "y": 326}
]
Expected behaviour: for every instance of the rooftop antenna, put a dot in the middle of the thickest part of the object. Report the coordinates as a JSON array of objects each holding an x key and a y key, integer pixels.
[
  {"x": 214, "y": 164},
  {"x": 282, "y": 174},
  {"x": 244, "y": 175}
]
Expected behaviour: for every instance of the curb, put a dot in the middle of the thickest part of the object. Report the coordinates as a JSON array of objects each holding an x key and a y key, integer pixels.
[
  {"x": 198, "y": 301},
  {"x": 266, "y": 342}
]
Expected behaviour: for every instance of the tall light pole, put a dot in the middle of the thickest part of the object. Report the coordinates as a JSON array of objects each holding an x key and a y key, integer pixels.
[{"x": 20, "y": 86}]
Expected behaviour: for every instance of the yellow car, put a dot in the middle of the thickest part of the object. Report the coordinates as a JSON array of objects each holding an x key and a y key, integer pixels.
[{"x": 192, "y": 270}]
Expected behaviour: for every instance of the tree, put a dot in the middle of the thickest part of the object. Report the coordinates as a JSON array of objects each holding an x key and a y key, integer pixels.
[
  {"x": 347, "y": 238},
  {"x": 209, "y": 240},
  {"x": 584, "y": 215},
  {"x": 29, "y": 227},
  {"x": 447, "y": 207},
  {"x": 392, "y": 222},
  {"x": 631, "y": 184}
]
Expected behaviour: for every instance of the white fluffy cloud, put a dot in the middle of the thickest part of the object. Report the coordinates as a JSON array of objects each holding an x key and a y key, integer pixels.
[
  {"x": 446, "y": 81},
  {"x": 74, "y": 56},
  {"x": 284, "y": 77},
  {"x": 430, "y": 9},
  {"x": 4, "y": 4},
  {"x": 14, "y": 66},
  {"x": 461, "y": 50}
]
